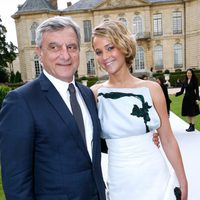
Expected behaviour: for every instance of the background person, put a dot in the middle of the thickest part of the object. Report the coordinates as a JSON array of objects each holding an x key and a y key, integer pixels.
[
  {"x": 130, "y": 110},
  {"x": 161, "y": 82},
  {"x": 190, "y": 107},
  {"x": 43, "y": 154}
]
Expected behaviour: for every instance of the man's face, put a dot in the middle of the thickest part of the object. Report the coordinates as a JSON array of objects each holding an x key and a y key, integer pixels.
[{"x": 59, "y": 53}]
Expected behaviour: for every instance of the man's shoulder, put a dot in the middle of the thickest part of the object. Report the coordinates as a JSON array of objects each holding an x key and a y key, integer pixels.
[{"x": 28, "y": 88}]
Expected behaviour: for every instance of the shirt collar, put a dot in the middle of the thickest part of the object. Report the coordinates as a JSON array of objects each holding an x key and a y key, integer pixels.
[{"x": 58, "y": 84}]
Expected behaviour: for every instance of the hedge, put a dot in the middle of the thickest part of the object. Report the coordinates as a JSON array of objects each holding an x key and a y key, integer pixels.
[
  {"x": 174, "y": 76},
  {"x": 3, "y": 91}
]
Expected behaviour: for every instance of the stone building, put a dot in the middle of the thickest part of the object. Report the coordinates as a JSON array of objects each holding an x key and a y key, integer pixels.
[{"x": 167, "y": 32}]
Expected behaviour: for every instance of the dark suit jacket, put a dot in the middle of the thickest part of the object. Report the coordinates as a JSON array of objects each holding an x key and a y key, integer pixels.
[
  {"x": 168, "y": 100},
  {"x": 43, "y": 156}
]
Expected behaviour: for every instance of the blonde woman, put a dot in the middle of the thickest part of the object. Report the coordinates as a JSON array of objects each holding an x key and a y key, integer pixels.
[{"x": 130, "y": 110}]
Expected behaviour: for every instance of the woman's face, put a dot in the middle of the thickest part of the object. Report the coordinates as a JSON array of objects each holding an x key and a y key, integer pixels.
[
  {"x": 110, "y": 58},
  {"x": 189, "y": 74}
]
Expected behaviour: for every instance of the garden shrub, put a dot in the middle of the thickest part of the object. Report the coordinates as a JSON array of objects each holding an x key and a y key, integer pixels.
[{"x": 3, "y": 91}]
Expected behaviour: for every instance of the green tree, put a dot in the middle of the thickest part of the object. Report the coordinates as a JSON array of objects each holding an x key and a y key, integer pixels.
[
  {"x": 3, "y": 75},
  {"x": 18, "y": 77},
  {"x": 7, "y": 50},
  {"x": 12, "y": 77}
]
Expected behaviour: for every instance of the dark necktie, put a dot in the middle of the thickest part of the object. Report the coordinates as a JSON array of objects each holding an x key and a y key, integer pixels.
[{"x": 76, "y": 110}]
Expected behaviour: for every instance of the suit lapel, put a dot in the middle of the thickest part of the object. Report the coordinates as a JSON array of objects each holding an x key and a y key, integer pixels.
[{"x": 59, "y": 105}]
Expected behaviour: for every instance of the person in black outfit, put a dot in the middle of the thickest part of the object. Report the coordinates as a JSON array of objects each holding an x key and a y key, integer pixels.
[
  {"x": 190, "y": 107},
  {"x": 161, "y": 81}
]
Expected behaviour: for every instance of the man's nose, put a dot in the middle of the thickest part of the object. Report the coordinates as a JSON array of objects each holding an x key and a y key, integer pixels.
[{"x": 64, "y": 51}]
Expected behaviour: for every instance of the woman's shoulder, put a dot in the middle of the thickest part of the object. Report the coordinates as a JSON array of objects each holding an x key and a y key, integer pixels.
[
  {"x": 151, "y": 85},
  {"x": 96, "y": 87}
]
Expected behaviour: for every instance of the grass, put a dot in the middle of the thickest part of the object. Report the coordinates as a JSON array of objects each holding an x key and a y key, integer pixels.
[
  {"x": 176, "y": 106},
  {"x": 2, "y": 197}
]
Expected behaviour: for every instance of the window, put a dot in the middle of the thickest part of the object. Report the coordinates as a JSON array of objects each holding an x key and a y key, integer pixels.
[
  {"x": 137, "y": 25},
  {"x": 122, "y": 19},
  {"x": 158, "y": 57},
  {"x": 157, "y": 24},
  {"x": 178, "y": 59},
  {"x": 38, "y": 66},
  {"x": 87, "y": 30},
  {"x": 139, "y": 59},
  {"x": 90, "y": 63},
  {"x": 33, "y": 29},
  {"x": 177, "y": 22}
]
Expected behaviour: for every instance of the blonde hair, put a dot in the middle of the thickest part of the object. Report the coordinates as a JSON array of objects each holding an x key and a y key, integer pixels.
[{"x": 118, "y": 34}]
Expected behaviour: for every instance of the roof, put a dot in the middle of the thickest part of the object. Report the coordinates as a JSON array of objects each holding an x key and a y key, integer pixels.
[
  {"x": 84, "y": 5},
  {"x": 35, "y": 5},
  {"x": 91, "y": 4},
  {"x": 45, "y": 5}
]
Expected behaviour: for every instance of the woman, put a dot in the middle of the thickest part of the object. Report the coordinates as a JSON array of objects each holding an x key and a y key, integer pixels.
[
  {"x": 161, "y": 81},
  {"x": 190, "y": 106},
  {"x": 130, "y": 110}
]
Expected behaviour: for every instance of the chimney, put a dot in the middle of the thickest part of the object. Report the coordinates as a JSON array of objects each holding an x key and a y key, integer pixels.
[
  {"x": 69, "y": 3},
  {"x": 53, "y": 4}
]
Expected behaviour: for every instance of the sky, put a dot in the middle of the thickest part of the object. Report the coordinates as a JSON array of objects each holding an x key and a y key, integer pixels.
[{"x": 9, "y": 7}]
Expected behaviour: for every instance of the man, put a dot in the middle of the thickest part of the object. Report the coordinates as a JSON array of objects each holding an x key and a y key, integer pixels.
[{"x": 43, "y": 154}]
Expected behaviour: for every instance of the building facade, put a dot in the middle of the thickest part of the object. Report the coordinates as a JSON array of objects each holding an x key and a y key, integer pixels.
[{"x": 167, "y": 32}]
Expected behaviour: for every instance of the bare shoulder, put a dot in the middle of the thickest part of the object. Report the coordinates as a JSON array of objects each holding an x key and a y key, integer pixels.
[
  {"x": 153, "y": 87},
  {"x": 95, "y": 88},
  {"x": 148, "y": 83}
]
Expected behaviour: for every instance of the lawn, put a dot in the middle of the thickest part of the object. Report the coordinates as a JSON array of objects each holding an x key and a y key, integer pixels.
[
  {"x": 175, "y": 107},
  {"x": 1, "y": 190}
]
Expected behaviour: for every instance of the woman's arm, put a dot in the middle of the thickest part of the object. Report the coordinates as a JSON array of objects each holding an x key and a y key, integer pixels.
[
  {"x": 197, "y": 91},
  {"x": 167, "y": 138},
  {"x": 94, "y": 88},
  {"x": 181, "y": 91}
]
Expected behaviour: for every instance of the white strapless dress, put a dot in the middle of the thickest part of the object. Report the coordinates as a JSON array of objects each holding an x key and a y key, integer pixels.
[{"x": 137, "y": 169}]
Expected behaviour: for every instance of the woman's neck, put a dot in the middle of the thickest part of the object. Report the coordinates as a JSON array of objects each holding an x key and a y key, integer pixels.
[{"x": 121, "y": 81}]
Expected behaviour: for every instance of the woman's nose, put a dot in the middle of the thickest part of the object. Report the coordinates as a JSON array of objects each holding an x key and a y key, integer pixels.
[{"x": 106, "y": 55}]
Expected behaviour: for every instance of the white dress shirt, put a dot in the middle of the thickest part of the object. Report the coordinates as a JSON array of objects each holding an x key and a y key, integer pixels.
[{"x": 62, "y": 88}]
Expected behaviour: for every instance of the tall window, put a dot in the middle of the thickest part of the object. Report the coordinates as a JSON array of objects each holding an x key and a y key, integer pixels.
[
  {"x": 137, "y": 25},
  {"x": 157, "y": 24},
  {"x": 178, "y": 59},
  {"x": 87, "y": 30},
  {"x": 139, "y": 59},
  {"x": 38, "y": 66},
  {"x": 177, "y": 22},
  {"x": 123, "y": 19},
  {"x": 90, "y": 63},
  {"x": 33, "y": 29},
  {"x": 158, "y": 57}
]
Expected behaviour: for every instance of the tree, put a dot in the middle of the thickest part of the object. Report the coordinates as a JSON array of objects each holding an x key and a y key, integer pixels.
[
  {"x": 3, "y": 75},
  {"x": 7, "y": 50},
  {"x": 18, "y": 77}
]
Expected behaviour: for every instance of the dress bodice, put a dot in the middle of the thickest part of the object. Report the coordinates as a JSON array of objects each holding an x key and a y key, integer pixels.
[{"x": 125, "y": 112}]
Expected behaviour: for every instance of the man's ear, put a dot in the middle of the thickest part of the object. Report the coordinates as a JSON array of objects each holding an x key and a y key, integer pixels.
[{"x": 38, "y": 51}]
